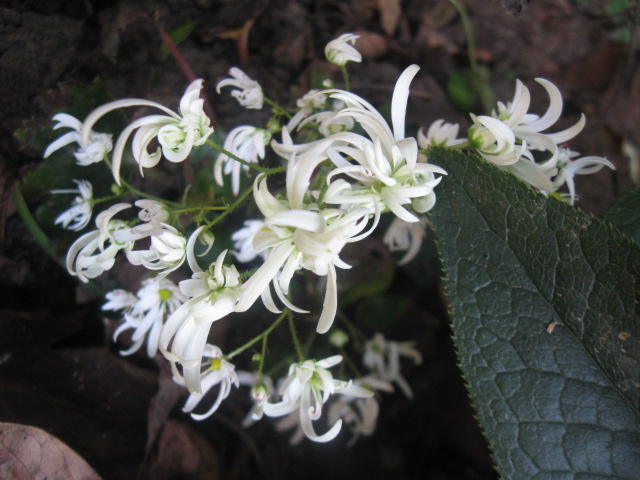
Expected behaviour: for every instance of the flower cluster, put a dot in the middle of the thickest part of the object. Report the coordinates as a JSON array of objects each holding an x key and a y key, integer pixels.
[
  {"x": 517, "y": 141},
  {"x": 345, "y": 167}
]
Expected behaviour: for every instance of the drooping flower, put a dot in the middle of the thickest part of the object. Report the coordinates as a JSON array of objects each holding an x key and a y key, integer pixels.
[
  {"x": 261, "y": 389},
  {"x": 119, "y": 300},
  {"x": 360, "y": 415},
  {"x": 243, "y": 241},
  {"x": 570, "y": 165},
  {"x": 93, "y": 147},
  {"x": 298, "y": 237},
  {"x": 249, "y": 92},
  {"x": 246, "y": 142},
  {"x": 385, "y": 165},
  {"x": 166, "y": 253},
  {"x": 306, "y": 390},
  {"x": 153, "y": 215},
  {"x": 215, "y": 370},
  {"x": 382, "y": 357},
  {"x": 404, "y": 236},
  {"x": 77, "y": 217},
  {"x": 176, "y": 133},
  {"x": 94, "y": 252},
  {"x": 511, "y": 135},
  {"x": 340, "y": 50},
  {"x": 213, "y": 295},
  {"x": 154, "y": 301}
]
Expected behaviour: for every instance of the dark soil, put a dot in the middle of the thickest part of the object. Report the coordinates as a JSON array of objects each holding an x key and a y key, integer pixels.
[{"x": 58, "y": 370}]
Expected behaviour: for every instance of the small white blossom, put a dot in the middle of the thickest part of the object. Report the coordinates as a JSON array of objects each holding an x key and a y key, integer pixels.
[
  {"x": 340, "y": 50},
  {"x": 306, "y": 390},
  {"x": 93, "y": 147},
  {"x": 215, "y": 370},
  {"x": 405, "y": 236},
  {"x": 310, "y": 102},
  {"x": 119, "y": 300},
  {"x": 213, "y": 295},
  {"x": 176, "y": 133},
  {"x": 261, "y": 388},
  {"x": 153, "y": 303},
  {"x": 246, "y": 142},
  {"x": 382, "y": 356},
  {"x": 152, "y": 214},
  {"x": 440, "y": 134},
  {"x": 94, "y": 252},
  {"x": 166, "y": 253},
  {"x": 77, "y": 217},
  {"x": 249, "y": 92},
  {"x": 243, "y": 241},
  {"x": 359, "y": 414},
  {"x": 570, "y": 165}
]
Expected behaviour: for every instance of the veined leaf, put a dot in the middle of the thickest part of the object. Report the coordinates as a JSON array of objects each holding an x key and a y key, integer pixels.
[
  {"x": 625, "y": 214},
  {"x": 544, "y": 305}
]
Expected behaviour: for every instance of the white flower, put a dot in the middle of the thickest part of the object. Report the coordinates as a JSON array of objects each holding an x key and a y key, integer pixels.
[
  {"x": 569, "y": 165},
  {"x": 153, "y": 214},
  {"x": 510, "y": 135},
  {"x": 405, "y": 236},
  {"x": 246, "y": 142},
  {"x": 243, "y": 241},
  {"x": 440, "y": 134},
  {"x": 152, "y": 211},
  {"x": 119, "y": 300},
  {"x": 94, "y": 147},
  {"x": 300, "y": 238},
  {"x": 261, "y": 388},
  {"x": 155, "y": 300},
  {"x": 359, "y": 414},
  {"x": 94, "y": 252},
  {"x": 340, "y": 50},
  {"x": 215, "y": 371},
  {"x": 307, "y": 388},
  {"x": 214, "y": 294},
  {"x": 176, "y": 133},
  {"x": 249, "y": 93},
  {"x": 166, "y": 253},
  {"x": 385, "y": 165},
  {"x": 77, "y": 217},
  {"x": 382, "y": 356},
  {"x": 310, "y": 102}
]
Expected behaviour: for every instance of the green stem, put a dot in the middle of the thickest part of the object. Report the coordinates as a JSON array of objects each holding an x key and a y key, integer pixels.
[
  {"x": 29, "y": 221},
  {"x": 277, "y": 109},
  {"x": 194, "y": 209},
  {"x": 141, "y": 194},
  {"x": 352, "y": 366},
  {"x": 294, "y": 337},
  {"x": 257, "y": 338},
  {"x": 238, "y": 201},
  {"x": 345, "y": 76},
  {"x": 479, "y": 75}
]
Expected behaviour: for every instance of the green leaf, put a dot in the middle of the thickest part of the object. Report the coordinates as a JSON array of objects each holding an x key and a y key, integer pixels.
[
  {"x": 178, "y": 36},
  {"x": 625, "y": 214},
  {"x": 545, "y": 318}
]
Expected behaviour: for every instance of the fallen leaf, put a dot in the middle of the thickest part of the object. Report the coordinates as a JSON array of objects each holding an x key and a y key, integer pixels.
[
  {"x": 28, "y": 453},
  {"x": 183, "y": 453}
]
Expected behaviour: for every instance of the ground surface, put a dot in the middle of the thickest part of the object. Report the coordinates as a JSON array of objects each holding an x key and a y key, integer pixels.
[{"x": 58, "y": 370}]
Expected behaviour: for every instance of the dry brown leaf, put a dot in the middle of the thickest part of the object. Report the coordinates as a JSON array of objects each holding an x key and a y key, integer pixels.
[
  {"x": 28, "y": 453},
  {"x": 390, "y": 13},
  {"x": 181, "y": 451}
]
